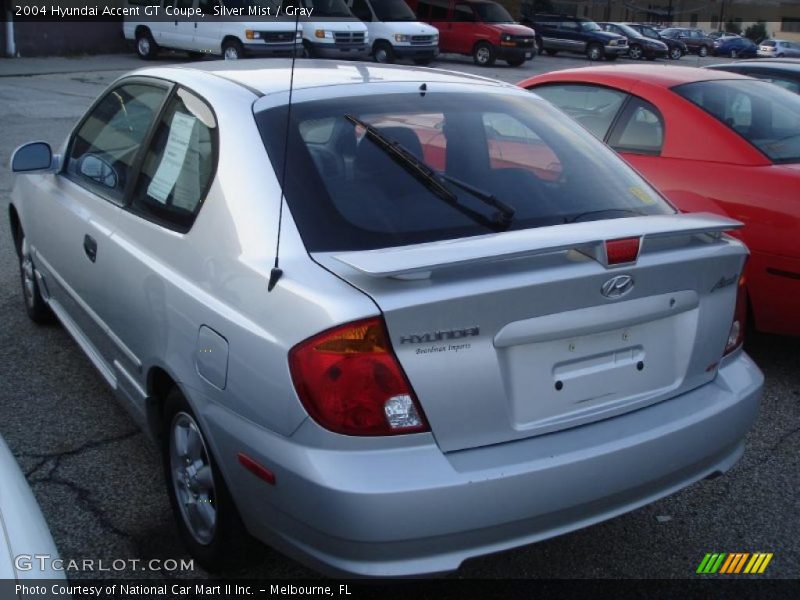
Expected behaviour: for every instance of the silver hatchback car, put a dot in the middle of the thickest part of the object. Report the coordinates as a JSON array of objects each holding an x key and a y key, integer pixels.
[{"x": 410, "y": 318}]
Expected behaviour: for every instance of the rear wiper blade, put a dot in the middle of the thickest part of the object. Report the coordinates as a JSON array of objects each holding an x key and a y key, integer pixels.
[
  {"x": 505, "y": 212},
  {"x": 432, "y": 180}
]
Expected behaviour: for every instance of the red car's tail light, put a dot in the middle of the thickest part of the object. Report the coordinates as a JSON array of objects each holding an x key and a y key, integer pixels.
[
  {"x": 736, "y": 335},
  {"x": 350, "y": 382},
  {"x": 623, "y": 250}
]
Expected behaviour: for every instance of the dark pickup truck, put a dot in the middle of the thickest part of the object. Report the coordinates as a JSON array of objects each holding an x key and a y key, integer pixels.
[{"x": 557, "y": 33}]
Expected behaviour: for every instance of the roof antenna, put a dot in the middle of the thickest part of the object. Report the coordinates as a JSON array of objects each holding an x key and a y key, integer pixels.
[{"x": 276, "y": 272}]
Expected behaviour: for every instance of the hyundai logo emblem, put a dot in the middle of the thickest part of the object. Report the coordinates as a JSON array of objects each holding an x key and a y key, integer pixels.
[{"x": 617, "y": 287}]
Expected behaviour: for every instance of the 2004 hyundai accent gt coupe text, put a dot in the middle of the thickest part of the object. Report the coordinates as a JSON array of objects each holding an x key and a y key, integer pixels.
[{"x": 483, "y": 329}]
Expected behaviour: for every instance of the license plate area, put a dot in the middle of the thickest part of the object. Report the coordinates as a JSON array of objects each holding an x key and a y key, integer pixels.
[{"x": 556, "y": 382}]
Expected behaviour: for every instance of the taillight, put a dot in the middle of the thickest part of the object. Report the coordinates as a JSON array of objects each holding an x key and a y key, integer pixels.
[
  {"x": 736, "y": 335},
  {"x": 350, "y": 382}
]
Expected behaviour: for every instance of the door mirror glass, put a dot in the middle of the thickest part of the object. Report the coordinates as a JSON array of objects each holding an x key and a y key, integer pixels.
[
  {"x": 36, "y": 156},
  {"x": 99, "y": 170}
]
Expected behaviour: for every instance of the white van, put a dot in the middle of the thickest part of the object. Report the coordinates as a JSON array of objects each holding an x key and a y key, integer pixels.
[
  {"x": 228, "y": 28},
  {"x": 330, "y": 29},
  {"x": 395, "y": 31}
]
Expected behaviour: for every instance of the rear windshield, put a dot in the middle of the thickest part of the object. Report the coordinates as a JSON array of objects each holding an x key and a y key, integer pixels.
[
  {"x": 346, "y": 193},
  {"x": 765, "y": 115},
  {"x": 770, "y": 43}
]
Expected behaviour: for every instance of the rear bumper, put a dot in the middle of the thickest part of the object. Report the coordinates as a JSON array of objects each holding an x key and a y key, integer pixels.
[{"x": 402, "y": 510}]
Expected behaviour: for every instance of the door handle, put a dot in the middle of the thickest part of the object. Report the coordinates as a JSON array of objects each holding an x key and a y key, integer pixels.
[{"x": 90, "y": 247}]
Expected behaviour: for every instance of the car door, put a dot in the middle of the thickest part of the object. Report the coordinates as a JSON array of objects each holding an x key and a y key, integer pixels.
[
  {"x": 464, "y": 28},
  {"x": 181, "y": 34},
  {"x": 152, "y": 249},
  {"x": 75, "y": 220},
  {"x": 569, "y": 37},
  {"x": 207, "y": 31}
]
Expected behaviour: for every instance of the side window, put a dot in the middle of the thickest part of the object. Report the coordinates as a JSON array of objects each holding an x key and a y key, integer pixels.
[
  {"x": 463, "y": 13},
  {"x": 569, "y": 26},
  {"x": 592, "y": 106},
  {"x": 179, "y": 164},
  {"x": 104, "y": 148},
  {"x": 640, "y": 129},
  {"x": 792, "y": 86},
  {"x": 432, "y": 10},
  {"x": 361, "y": 10}
]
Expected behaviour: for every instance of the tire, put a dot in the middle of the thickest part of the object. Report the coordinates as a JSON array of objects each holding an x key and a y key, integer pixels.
[
  {"x": 635, "y": 52},
  {"x": 212, "y": 531},
  {"x": 232, "y": 50},
  {"x": 382, "y": 52},
  {"x": 423, "y": 62},
  {"x": 146, "y": 47},
  {"x": 702, "y": 51},
  {"x": 516, "y": 62},
  {"x": 595, "y": 52},
  {"x": 734, "y": 54},
  {"x": 539, "y": 45},
  {"x": 675, "y": 53},
  {"x": 483, "y": 54},
  {"x": 35, "y": 306}
]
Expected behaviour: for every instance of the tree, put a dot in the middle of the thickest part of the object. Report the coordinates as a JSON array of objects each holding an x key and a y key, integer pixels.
[
  {"x": 733, "y": 27},
  {"x": 756, "y": 31}
]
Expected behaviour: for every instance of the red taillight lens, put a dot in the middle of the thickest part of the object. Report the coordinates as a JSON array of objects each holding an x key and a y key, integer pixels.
[
  {"x": 623, "y": 250},
  {"x": 350, "y": 382},
  {"x": 736, "y": 335}
]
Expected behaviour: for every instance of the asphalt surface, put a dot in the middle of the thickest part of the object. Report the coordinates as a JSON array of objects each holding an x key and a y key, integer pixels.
[{"x": 99, "y": 480}]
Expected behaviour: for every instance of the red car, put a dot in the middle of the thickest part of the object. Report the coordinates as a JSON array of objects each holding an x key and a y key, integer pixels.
[
  {"x": 710, "y": 141},
  {"x": 480, "y": 28}
]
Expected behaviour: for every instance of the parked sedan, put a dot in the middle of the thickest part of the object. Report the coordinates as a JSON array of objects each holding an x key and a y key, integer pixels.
[
  {"x": 735, "y": 47},
  {"x": 639, "y": 46},
  {"x": 471, "y": 326},
  {"x": 710, "y": 141},
  {"x": 785, "y": 73},
  {"x": 697, "y": 41},
  {"x": 676, "y": 47},
  {"x": 778, "y": 49},
  {"x": 24, "y": 534}
]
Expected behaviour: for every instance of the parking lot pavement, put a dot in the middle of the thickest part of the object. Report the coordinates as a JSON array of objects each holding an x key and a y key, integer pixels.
[{"x": 99, "y": 480}]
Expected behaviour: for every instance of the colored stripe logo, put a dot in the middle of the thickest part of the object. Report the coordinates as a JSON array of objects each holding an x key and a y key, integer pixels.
[{"x": 734, "y": 563}]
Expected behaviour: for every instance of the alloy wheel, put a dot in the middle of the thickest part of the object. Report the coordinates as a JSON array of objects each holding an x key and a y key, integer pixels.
[
  {"x": 192, "y": 478},
  {"x": 28, "y": 276}
]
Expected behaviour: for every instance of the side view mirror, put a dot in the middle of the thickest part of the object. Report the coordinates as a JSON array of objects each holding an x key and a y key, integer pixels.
[
  {"x": 34, "y": 156},
  {"x": 99, "y": 170}
]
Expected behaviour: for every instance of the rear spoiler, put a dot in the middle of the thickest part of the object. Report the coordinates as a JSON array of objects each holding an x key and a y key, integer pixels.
[{"x": 589, "y": 237}]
